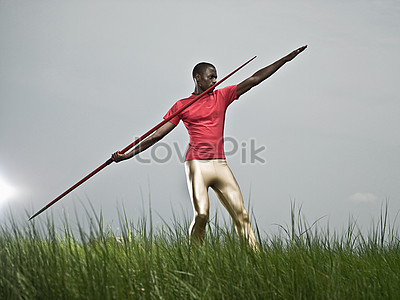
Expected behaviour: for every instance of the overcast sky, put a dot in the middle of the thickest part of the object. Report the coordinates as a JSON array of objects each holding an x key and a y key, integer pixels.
[{"x": 81, "y": 79}]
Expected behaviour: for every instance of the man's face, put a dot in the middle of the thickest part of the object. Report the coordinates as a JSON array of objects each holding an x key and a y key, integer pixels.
[{"x": 207, "y": 79}]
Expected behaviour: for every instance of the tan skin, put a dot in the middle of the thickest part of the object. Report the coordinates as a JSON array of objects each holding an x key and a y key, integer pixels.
[{"x": 202, "y": 83}]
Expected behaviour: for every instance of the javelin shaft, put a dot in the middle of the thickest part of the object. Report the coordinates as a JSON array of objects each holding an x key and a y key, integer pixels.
[
  {"x": 182, "y": 108},
  {"x": 109, "y": 161}
]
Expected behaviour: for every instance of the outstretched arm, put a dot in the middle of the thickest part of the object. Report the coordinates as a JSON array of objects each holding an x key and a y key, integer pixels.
[
  {"x": 266, "y": 72},
  {"x": 146, "y": 143}
]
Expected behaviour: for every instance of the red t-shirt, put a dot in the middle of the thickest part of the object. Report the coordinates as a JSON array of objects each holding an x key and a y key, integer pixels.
[{"x": 204, "y": 121}]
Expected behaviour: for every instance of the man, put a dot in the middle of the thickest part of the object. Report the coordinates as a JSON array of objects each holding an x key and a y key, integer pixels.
[{"x": 205, "y": 162}]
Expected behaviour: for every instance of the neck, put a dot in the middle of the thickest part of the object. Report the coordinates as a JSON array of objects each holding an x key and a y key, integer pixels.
[{"x": 197, "y": 90}]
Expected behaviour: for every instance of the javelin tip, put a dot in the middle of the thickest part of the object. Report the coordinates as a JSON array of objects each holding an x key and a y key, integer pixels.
[{"x": 39, "y": 212}]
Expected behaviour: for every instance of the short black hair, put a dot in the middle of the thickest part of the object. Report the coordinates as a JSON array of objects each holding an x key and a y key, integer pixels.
[{"x": 201, "y": 67}]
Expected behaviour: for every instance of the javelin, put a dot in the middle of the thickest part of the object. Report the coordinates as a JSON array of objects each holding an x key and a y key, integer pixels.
[{"x": 109, "y": 161}]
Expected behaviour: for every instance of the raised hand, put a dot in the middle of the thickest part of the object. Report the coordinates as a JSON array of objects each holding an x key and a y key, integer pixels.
[{"x": 293, "y": 54}]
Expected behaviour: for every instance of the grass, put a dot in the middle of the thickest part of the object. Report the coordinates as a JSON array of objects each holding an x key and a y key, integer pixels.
[{"x": 302, "y": 262}]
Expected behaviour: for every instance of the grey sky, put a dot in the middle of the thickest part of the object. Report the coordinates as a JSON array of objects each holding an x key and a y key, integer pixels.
[{"x": 81, "y": 79}]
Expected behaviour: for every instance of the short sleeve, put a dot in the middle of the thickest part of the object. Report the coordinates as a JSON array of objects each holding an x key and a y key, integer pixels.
[
  {"x": 175, "y": 120},
  {"x": 229, "y": 94}
]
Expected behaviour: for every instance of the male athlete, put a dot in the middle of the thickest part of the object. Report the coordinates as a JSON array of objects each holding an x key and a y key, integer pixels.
[{"x": 205, "y": 162}]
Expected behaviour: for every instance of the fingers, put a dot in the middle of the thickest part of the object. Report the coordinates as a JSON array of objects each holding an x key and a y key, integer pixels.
[
  {"x": 296, "y": 52},
  {"x": 301, "y": 49},
  {"x": 117, "y": 157}
]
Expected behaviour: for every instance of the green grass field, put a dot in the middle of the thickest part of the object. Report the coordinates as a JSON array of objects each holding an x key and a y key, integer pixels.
[{"x": 303, "y": 262}]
